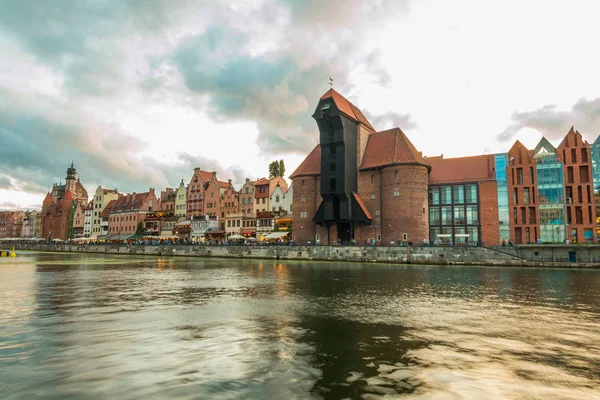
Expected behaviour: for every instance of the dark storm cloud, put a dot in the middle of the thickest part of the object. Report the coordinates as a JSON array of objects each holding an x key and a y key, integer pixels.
[
  {"x": 86, "y": 43},
  {"x": 81, "y": 37},
  {"x": 39, "y": 137},
  {"x": 554, "y": 123},
  {"x": 278, "y": 88},
  {"x": 5, "y": 183}
]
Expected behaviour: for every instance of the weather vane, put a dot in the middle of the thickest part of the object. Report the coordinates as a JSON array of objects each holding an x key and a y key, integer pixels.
[{"x": 330, "y": 81}]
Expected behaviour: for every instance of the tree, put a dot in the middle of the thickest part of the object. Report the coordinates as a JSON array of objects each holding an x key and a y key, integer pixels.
[
  {"x": 273, "y": 169},
  {"x": 276, "y": 168},
  {"x": 281, "y": 168},
  {"x": 140, "y": 229}
]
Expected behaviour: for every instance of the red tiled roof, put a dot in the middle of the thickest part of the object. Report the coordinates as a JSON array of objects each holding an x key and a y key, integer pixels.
[
  {"x": 390, "y": 147},
  {"x": 106, "y": 191},
  {"x": 224, "y": 185},
  {"x": 311, "y": 164},
  {"x": 461, "y": 169},
  {"x": 68, "y": 195},
  {"x": 362, "y": 205},
  {"x": 347, "y": 108},
  {"x": 108, "y": 208},
  {"x": 261, "y": 181},
  {"x": 205, "y": 176},
  {"x": 48, "y": 198}
]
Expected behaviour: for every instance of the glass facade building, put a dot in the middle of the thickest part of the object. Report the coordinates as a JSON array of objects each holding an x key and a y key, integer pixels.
[
  {"x": 454, "y": 214},
  {"x": 595, "y": 156},
  {"x": 501, "y": 161},
  {"x": 551, "y": 195}
]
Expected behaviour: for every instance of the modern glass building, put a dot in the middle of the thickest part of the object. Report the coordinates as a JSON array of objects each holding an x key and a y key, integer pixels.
[
  {"x": 454, "y": 214},
  {"x": 551, "y": 194},
  {"x": 501, "y": 161},
  {"x": 595, "y": 155}
]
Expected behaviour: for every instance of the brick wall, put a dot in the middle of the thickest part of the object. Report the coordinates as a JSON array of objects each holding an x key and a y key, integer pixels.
[
  {"x": 406, "y": 213},
  {"x": 574, "y": 153},
  {"x": 305, "y": 229},
  {"x": 488, "y": 213}
]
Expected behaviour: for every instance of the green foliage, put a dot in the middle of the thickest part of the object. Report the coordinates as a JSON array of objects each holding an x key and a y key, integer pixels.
[
  {"x": 276, "y": 168},
  {"x": 140, "y": 228}
]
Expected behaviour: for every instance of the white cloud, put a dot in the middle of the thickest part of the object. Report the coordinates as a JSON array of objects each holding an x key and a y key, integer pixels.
[{"x": 234, "y": 84}]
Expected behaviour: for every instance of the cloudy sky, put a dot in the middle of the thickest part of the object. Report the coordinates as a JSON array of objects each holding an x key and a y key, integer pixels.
[{"x": 139, "y": 92}]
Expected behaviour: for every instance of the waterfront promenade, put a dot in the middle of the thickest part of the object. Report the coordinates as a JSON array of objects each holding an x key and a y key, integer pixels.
[{"x": 571, "y": 256}]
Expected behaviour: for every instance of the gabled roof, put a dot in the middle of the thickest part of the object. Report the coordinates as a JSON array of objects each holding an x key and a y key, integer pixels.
[
  {"x": 519, "y": 154},
  {"x": 544, "y": 144},
  {"x": 48, "y": 198},
  {"x": 205, "y": 175},
  {"x": 108, "y": 208},
  {"x": 461, "y": 169},
  {"x": 311, "y": 164},
  {"x": 68, "y": 195},
  {"x": 362, "y": 205},
  {"x": 261, "y": 181},
  {"x": 347, "y": 108},
  {"x": 567, "y": 142},
  {"x": 224, "y": 185},
  {"x": 390, "y": 147}
]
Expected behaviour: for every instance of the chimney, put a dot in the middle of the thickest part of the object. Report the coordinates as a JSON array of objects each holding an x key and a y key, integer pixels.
[
  {"x": 151, "y": 190},
  {"x": 229, "y": 181},
  {"x": 196, "y": 169}
]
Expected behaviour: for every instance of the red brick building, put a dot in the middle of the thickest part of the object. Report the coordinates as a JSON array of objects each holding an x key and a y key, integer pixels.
[
  {"x": 463, "y": 200},
  {"x": 574, "y": 153},
  {"x": 195, "y": 192},
  {"x": 551, "y": 193},
  {"x": 128, "y": 211},
  {"x": 11, "y": 223},
  {"x": 359, "y": 185},
  {"x": 59, "y": 206}
]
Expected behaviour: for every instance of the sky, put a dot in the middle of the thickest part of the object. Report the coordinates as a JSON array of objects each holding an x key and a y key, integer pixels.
[{"x": 138, "y": 93}]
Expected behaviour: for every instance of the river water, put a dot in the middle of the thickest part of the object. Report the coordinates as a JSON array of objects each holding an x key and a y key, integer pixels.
[{"x": 122, "y": 327}]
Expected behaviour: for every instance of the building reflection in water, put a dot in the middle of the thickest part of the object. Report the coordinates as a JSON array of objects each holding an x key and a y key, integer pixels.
[{"x": 124, "y": 327}]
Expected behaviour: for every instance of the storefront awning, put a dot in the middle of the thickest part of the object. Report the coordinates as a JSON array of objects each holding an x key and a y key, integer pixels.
[{"x": 276, "y": 235}]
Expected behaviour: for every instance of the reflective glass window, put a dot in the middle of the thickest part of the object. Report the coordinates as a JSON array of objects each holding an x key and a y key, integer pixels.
[
  {"x": 471, "y": 193},
  {"x": 459, "y": 194},
  {"x": 446, "y": 194},
  {"x": 472, "y": 218}
]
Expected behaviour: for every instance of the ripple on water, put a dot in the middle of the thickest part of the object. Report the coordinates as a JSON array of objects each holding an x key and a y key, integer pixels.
[{"x": 130, "y": 328}]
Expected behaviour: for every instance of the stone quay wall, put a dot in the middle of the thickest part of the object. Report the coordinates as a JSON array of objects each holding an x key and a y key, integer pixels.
[{"x": 563, "y": 256}]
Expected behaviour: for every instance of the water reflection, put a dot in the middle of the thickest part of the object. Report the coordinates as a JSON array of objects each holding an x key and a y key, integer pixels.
[{"x": 124, "y": 327}]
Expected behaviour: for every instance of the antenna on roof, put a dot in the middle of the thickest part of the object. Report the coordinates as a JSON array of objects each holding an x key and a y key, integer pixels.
[{"x": 330, "y": 81}]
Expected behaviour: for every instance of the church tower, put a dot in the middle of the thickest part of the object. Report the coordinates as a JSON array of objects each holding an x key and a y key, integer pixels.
[{"x": 71, "y": 178}]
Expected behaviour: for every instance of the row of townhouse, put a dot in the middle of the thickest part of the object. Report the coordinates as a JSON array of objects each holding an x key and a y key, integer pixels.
[
  {"x": 114, "y": 215},
  {"x": 66, "y": 212}
]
